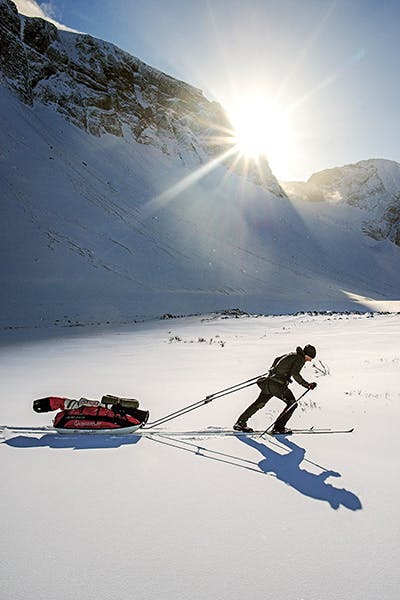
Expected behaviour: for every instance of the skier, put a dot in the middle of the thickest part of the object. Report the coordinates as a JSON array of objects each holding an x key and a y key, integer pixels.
[{"x": 276, "y": 384}]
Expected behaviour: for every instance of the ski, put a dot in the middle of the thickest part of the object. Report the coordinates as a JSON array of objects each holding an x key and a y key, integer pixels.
[
  {"x": 209, "y": 432},
  {"x": 311, "y": 430},
  {"x": 231, "y": 432},
  {"x": 33, "y": 429}
]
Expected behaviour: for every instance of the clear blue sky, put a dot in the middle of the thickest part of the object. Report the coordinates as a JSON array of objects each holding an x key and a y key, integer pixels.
[{"x": 334, "y": 64}]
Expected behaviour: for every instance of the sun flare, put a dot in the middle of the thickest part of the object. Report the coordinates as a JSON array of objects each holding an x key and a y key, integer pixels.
[{"x": 260, "y": 128}]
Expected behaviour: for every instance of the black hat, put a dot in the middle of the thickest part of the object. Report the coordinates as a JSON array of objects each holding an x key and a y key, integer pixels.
[{"x": 310, "y": 351}]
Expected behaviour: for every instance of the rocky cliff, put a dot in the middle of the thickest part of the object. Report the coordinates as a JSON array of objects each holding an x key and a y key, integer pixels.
[{"x": 103, "y": 89}]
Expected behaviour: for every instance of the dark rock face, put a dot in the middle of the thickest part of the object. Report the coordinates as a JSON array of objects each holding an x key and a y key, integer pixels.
[
  {"x": 13, "y": 61},
  {"x": 102, "y": 89}
]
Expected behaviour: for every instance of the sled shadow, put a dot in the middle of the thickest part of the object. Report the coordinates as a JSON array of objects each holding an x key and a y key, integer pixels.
[
  {"x": 286, "y": 468},
  {"x": 76, "y": 442}
]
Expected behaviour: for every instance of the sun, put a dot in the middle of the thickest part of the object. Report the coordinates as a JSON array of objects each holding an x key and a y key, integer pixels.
[{"x": 260, "y": 128}]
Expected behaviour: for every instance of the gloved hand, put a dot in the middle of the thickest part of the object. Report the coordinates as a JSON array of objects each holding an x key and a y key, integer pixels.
[{"x": 312, "y": 386}]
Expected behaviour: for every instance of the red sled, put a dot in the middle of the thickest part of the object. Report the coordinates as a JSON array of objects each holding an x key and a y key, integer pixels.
[{"x": 91, "y": 416}]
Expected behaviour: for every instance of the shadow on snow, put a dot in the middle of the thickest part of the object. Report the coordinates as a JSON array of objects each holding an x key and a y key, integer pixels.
[
  {"x": 286, "y": 468},
  {"x": 76, "y": 442}
]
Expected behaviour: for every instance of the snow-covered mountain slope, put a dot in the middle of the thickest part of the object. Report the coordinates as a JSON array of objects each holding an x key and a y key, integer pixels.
[
  {"x": 88, "y": 234},
  {"x": 103, "y": 226},
  {"x": 103, "y": 89},
  {"x": 373, "y": 186}
]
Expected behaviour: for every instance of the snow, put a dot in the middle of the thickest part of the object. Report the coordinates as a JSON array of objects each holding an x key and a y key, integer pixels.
[
  {"x": 80, "y": 244},
  {"x": 212, "y": 517}
]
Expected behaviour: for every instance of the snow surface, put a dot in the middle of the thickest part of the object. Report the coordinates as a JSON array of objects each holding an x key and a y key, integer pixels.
[{"x": 174, "y": 518}]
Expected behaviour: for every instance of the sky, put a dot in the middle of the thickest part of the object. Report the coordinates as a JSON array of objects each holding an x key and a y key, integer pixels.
[{"x": 325, "y": 71}]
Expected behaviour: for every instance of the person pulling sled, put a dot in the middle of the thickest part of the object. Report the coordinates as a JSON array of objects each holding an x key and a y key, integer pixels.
[{"x": 276, "y": 384}]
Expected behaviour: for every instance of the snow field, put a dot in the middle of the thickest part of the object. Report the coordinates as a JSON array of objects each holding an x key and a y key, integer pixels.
[{"x": 224, "y": 518}]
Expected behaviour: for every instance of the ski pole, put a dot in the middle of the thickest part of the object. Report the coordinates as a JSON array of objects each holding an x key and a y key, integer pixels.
[{"x": 285, "y": 411}]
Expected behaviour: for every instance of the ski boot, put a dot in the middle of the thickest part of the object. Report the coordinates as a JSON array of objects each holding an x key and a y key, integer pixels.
[
  {"x": 242, "y": 427},
  {"x": 281, "y": 431}
]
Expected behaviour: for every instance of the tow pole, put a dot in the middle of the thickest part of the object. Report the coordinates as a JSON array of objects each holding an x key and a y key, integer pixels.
[{"x": 186, "y": 409}]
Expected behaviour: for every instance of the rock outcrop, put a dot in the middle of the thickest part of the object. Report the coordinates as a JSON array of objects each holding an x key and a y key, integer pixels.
[{"x": 105, "y": 90}]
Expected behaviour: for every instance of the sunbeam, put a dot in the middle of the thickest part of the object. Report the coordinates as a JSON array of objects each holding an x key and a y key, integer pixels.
[
  {"x": 355, "y": 58},
  {"x": 168, "y": 195},
  {"x": 305, "y": 51}
]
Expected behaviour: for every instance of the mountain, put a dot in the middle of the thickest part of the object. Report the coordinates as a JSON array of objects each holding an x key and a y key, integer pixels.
[
  {"x": 120, "y": 200},
  {"x": 372, "y": 186},
  {"x": 101, "y": 89}
]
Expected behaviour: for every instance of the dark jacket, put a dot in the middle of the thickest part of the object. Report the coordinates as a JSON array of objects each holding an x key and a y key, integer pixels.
[{"x": 287, "y": 366}]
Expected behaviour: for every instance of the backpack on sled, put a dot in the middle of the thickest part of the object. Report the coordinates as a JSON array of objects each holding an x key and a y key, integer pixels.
[{"x": 112, "y": 412}]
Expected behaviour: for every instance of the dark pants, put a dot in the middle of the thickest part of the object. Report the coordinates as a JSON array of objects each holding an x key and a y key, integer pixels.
[{"x": 269, "y": 390}]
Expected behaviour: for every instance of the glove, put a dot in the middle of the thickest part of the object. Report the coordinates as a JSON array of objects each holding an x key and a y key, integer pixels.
[{"x": 312, "y": 386}]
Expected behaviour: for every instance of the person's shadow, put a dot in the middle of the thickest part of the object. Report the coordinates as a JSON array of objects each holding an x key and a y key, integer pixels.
[{"x": 286, "y": 467}]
